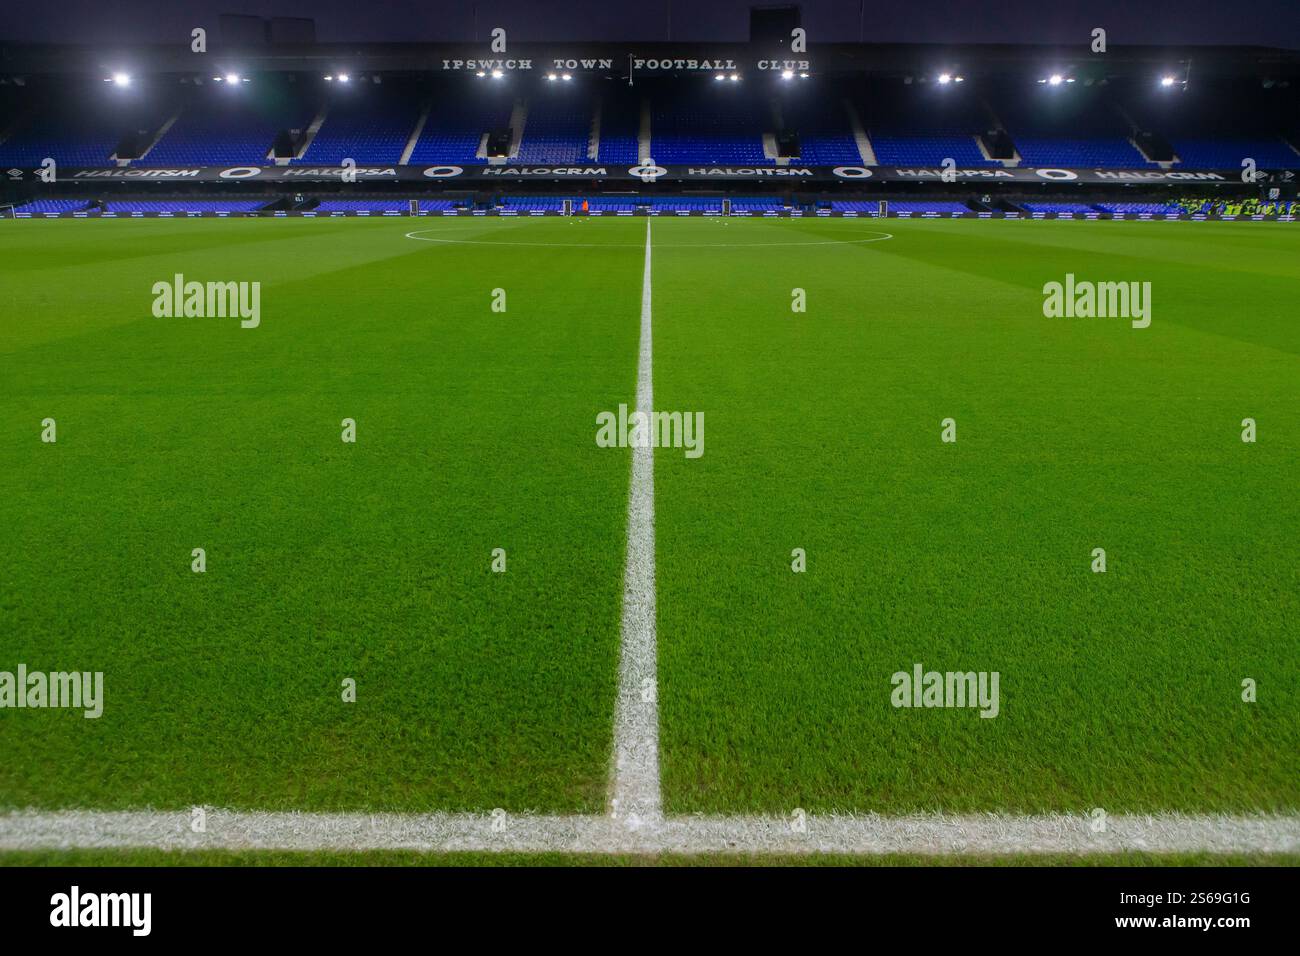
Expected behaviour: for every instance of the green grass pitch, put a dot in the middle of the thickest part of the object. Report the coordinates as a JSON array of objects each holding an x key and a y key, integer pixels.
[{"x": 475, "y": 431}]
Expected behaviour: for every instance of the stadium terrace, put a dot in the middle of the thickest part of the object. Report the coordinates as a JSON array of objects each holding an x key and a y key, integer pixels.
[{"x": 838, "y": 129}]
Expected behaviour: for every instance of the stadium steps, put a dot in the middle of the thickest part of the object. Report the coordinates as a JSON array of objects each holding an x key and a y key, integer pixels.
[
  {"x": 415, "y": 133},
  {"x": 984, "y": 151},
  {"x": 865, "y": 149},
  {"x": 593, "y": 138},
  {"x": 518, "y": 120},
  {"x": 153, "y": 141},
  {"x": 770, "y": 149},
  {"x": 308, "y": 137},
  {"x": 644, "y": 136},
  {"x": 1133, "y": 141},
  {"x": 996, "y": 124}
]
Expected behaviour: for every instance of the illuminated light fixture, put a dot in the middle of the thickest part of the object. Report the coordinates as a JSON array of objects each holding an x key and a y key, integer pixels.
[
  {"x": 551, "y": 77},
  {"x": 232, "y": 77},
  {"x": 721, "y": 76},
  {"x": 1167, "y": 81},
  {"x": 735, "y": 77},
  {"x": 787, "y": 74},
  {"x": 497, "y": 74},
  {"x": 1055, "y": 79},
  {"x": 803, "y": 76},
  {"x": 329, "y": 77},
  {"x": 217, "y": 79},
  {"x": 343, "y": 78},
  {"x": 566, "y": 77},
  {"x": 959, "y": 79},
  {"x": 480, "y": 73},
  {"x": 121, "y": 79},
  {"x": 945, "y": 78},
  {"x": 1070, "y": 80}
]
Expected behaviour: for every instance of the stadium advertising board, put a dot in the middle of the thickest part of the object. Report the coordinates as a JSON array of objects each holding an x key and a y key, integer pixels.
[{"x": 479, "y": 175}]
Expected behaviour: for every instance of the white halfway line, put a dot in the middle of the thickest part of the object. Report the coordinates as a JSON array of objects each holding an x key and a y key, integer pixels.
[
  {"x": 634, "y": 783},
  {"x": 635, "y": 822}
]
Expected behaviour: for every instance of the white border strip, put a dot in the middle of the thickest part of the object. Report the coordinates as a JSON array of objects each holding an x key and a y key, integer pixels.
[{"x": 937, "y": 834}]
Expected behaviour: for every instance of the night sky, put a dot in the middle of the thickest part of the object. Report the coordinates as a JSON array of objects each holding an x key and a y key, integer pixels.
[{"x": 1261, "y": 22}]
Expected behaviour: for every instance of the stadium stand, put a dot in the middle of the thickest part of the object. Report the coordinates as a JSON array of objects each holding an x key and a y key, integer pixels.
[
  {"x": 185, "y": 205},
  {"x": 455, "y": 127},
  {"x": 381, "y": 205},
  {"x": 1141, "y": 208},
  {"x": 1244, "y": 207},
  {"x": 368, "y": 126},
  {"x": 1071, "y": 127},
  {"x": 52, "y": 206},
  {"x": 1217, "y": 129},
  {"x": 621, "y": 204},
  {"x": 1074, "y": 207},
  {"x": 620, "y": 121},
  {"x": 757, "y": 203},
  {"x": 239, "y": 130},
  {"x": 901, "y": 205},
  {"x": 75, "y": 135},
  {"x": 688, "y": 129},
  {"x": 914, "y": 126},
  {"x": 825, "y": 138},
  {"x": 712, "y": 204},
  {"x": 557, "y": 131},
  {"x": 534, "y": 203},
  {"x": 1228, "y": 152},
  {"x": 927, "y": 205}
]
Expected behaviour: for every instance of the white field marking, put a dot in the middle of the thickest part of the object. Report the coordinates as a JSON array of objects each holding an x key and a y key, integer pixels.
[
  {"x": 634, "y": 797},
  {"x": 878, "y": 237},
  {"x": 926, "y": 834}
]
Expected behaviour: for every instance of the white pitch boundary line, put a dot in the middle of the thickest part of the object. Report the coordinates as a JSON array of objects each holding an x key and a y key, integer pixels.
[
  {"x": 634, "y": 786},
  {"x": 635, "y": 823},
  {"x": 937, "y": 834}
]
